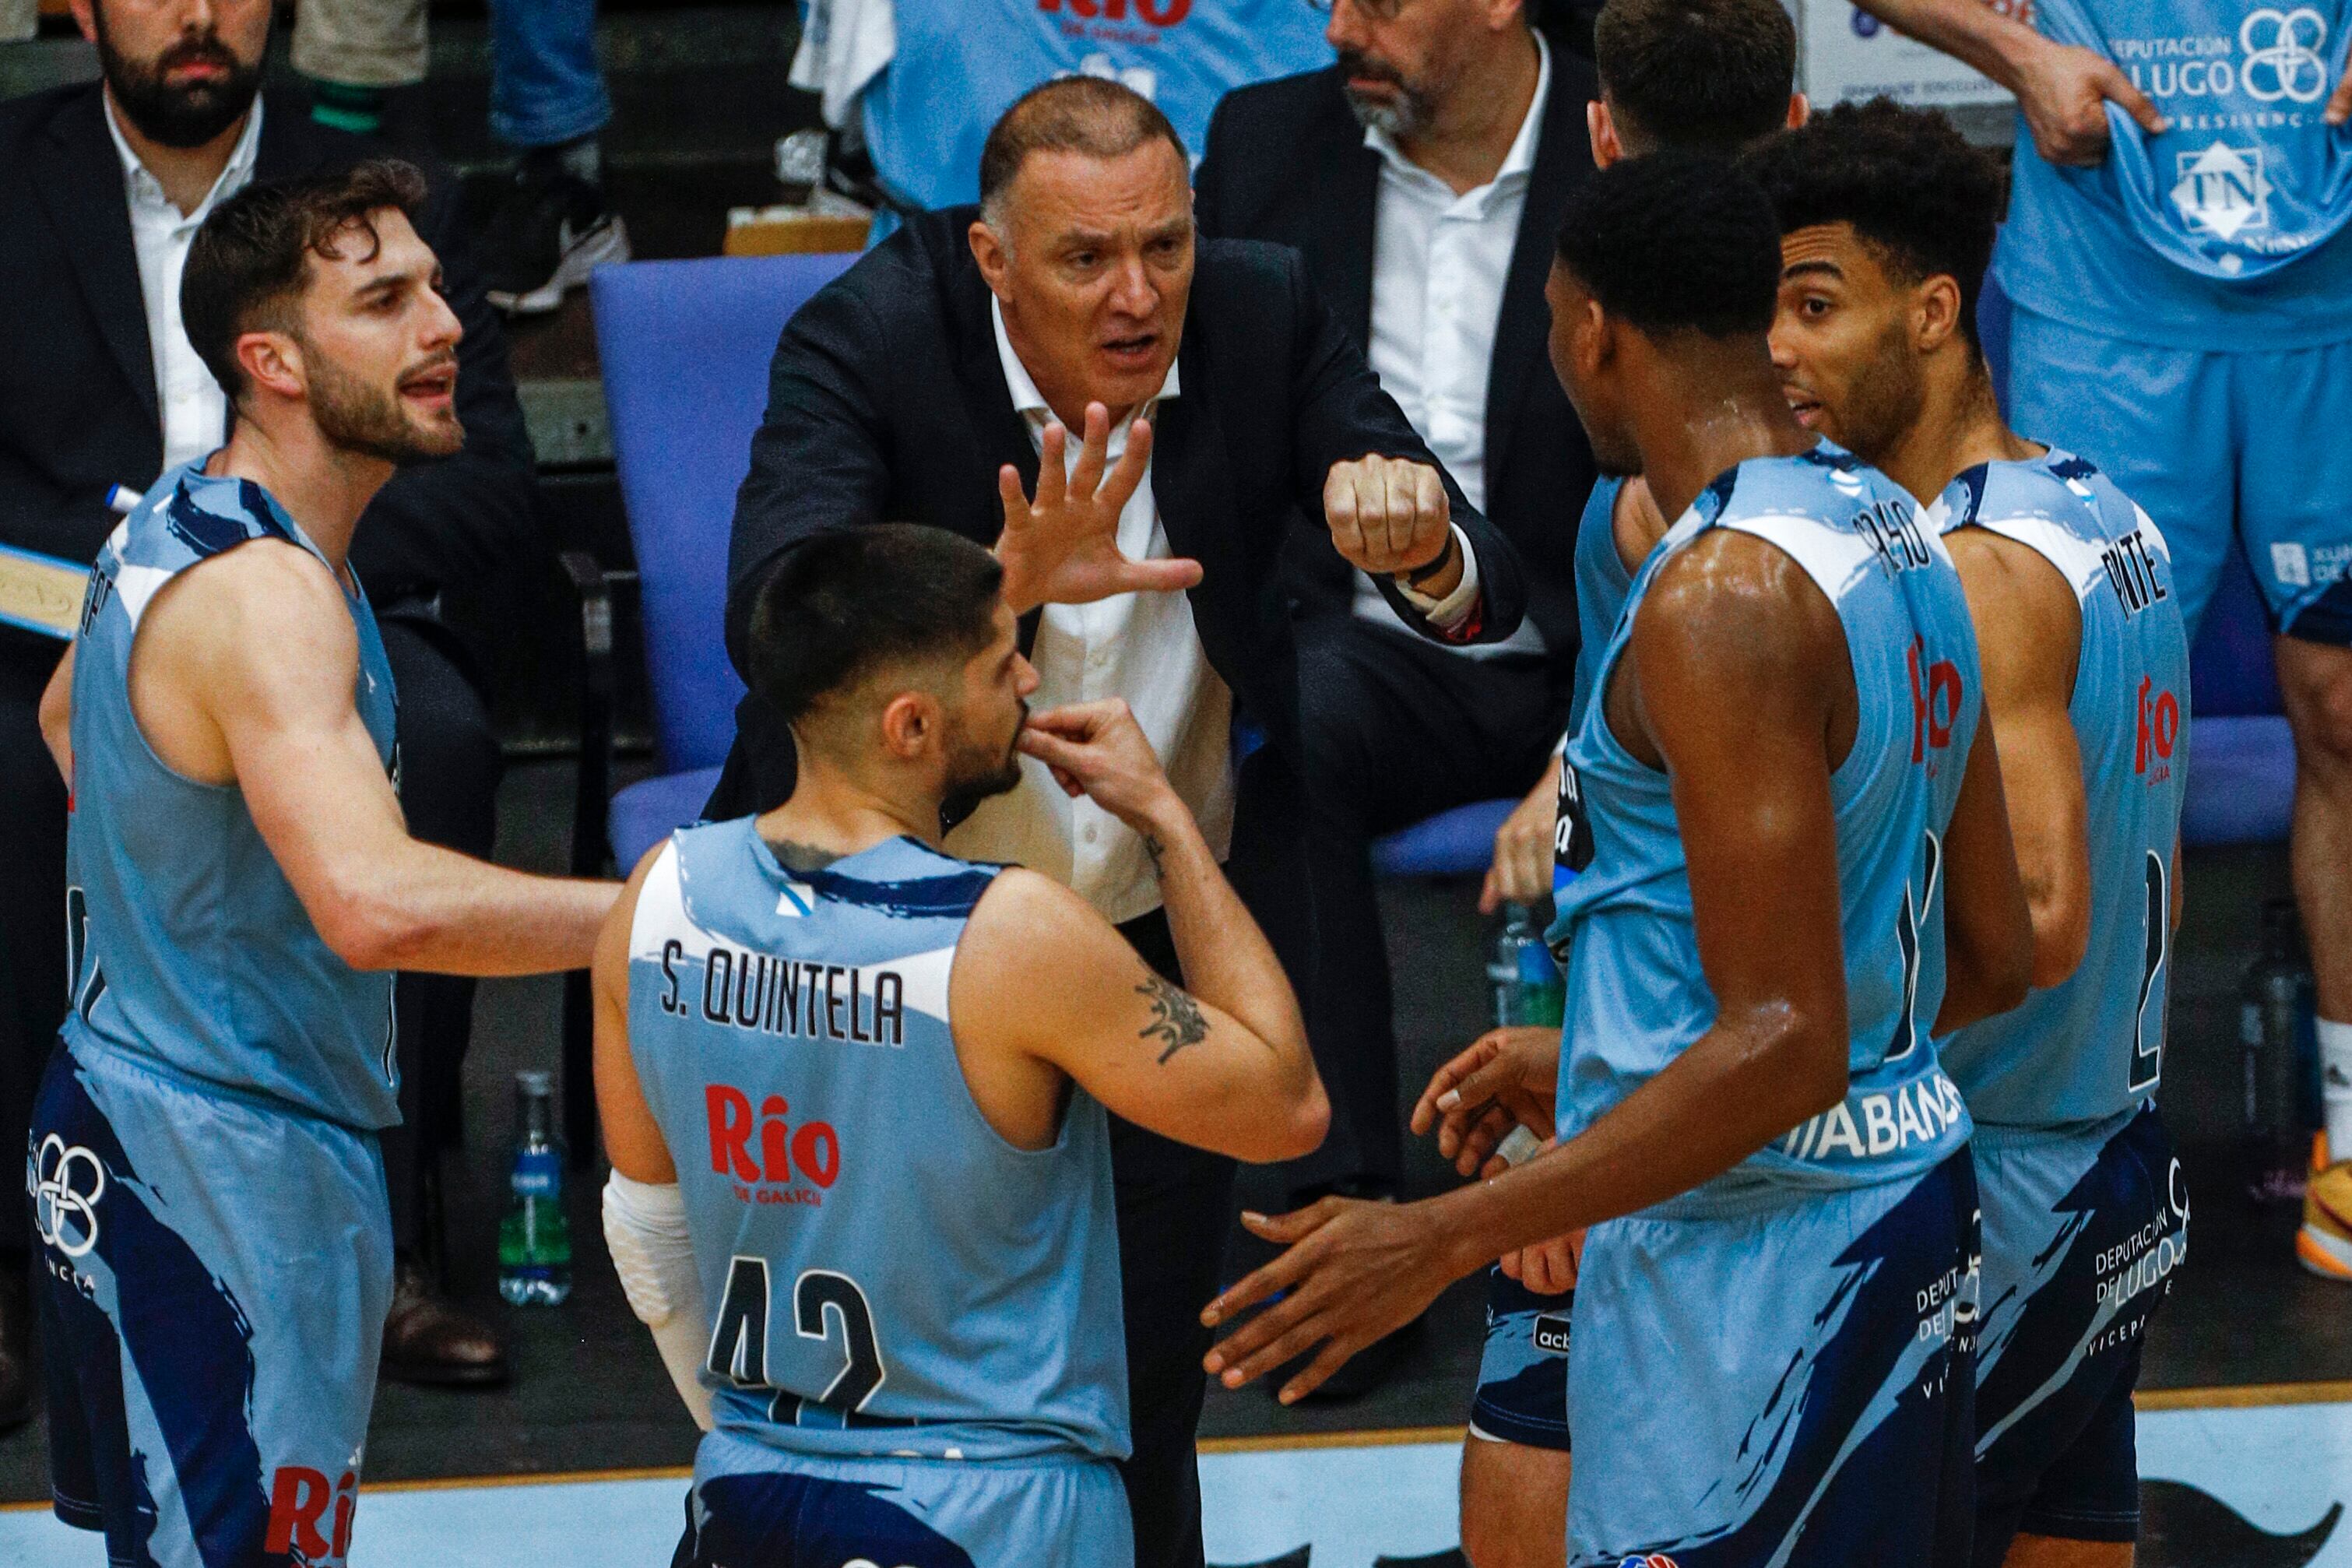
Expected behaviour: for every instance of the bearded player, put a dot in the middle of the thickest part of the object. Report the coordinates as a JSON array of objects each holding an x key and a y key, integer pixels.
[
  {"x": 1888, "y": 218},
  {"x": 854, "y": 1091},
  {"x": 216, "y": 1246}
]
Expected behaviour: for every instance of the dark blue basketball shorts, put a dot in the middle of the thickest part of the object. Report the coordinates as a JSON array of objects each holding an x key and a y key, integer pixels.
[
  {"x": 2081, "y": 1232},
  {"x": 1523, "y": 1373},
  {"x": 753, "y": 1505},
  {"x": 215, "y": 1275}
]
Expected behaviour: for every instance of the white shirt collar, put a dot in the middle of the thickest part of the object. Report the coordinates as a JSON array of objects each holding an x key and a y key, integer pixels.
[
  {"x": 1517, "y": 164},
  {"x": 144, "y": 189},
  {"x": 1027, "y": 400}
]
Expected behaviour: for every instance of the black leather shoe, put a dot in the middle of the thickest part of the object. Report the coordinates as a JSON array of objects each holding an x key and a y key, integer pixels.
[
  {"x": 428, "y": 1339},
  {"x": 15, "y": 1346}
]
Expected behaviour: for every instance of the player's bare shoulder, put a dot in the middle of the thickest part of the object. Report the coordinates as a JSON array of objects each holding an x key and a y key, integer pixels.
[{"x": 262, "y": 628}]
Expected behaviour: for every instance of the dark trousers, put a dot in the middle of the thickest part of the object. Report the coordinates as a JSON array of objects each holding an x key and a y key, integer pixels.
[
  {"x": 33, "y": 980},
  {"x": 449, "y": 770},
  {"x": 1395, "y": 728},
  {"x": 450, "y": 776},
  {"x": 1175, "y": 1205}
]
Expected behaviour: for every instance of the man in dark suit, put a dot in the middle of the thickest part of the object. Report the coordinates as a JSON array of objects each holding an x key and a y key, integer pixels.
[
  {"x": 935, "y": 382},
  {"x": 1423, "y": 177},
  {"x": 101, "y": 188}
]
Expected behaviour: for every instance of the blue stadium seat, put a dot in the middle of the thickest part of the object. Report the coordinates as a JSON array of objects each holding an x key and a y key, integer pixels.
[
  {"x": 685, "y": 347},
  {"x": 1452, "y": 843}
]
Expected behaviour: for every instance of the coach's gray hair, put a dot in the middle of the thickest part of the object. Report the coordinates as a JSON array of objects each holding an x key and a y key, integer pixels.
[{"x": 1093, "y": 116}]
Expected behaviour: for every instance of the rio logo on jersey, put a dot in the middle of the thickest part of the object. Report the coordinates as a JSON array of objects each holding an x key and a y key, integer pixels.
[
  {"x": 2159, "y": 731},
  {"x": 1153, "y": 13},
  {"x": 299, "y": 1497},
  {"x": 789, "y": 1165},
  {"x": 1934, "y": 701}
]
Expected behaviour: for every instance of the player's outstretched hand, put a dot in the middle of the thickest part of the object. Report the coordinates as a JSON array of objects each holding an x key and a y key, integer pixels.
[
  {"x": 1356, "y": 1270},
  {"x": 1388, "y": 515},
  {"x": 1521, "y": 873},
  {"x": 1506, "y": 1078},
  {"x": 1098, "y": 749},
  {"x": 1062, "y": 547},
  {"x": 2064, "y": 91}
]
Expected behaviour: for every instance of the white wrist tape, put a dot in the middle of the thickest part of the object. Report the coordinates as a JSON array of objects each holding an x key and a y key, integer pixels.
[{"x": 644, "y": 1229}]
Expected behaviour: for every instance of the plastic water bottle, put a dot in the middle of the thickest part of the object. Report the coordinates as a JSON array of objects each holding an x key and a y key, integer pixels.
[
  {"x": 535, "y": 1239},
  {"x": 1525, "y": 982},
  {"x": 2273, "y": 1000}
]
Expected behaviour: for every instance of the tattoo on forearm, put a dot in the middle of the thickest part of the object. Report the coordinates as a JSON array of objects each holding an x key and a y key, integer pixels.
[
  {"x": 1152, "y": 846},
  {"x": 1176, "y": 1019}
]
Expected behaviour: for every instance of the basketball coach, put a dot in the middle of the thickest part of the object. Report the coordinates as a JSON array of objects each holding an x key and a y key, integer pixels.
[{"x": 1184, "y": 397}]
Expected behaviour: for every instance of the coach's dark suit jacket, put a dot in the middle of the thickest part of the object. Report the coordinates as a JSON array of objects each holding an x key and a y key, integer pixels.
[
  {"x": 77, "y": 404},
  {"x": 887, "y": 402},
  {"x": 1286, "y": 161}
]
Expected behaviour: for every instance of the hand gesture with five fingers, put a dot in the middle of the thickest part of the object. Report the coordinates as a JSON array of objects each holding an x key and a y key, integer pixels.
[{"x": 1062, "y": 547}]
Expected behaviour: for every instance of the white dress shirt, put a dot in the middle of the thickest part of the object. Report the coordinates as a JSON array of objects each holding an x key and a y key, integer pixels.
[
  {"x": 1141, "y": 646},
  {"x": 1440, "y": 262},
  {"x": 194, "y": 409}
]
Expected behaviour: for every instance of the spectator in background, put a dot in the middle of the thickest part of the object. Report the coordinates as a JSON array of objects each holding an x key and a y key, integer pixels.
[
  {"x": 931, "y": 383},
  {"x": 20, "y": 19},
  {"x": 922, "y": 80},
  {"x": 1421, "y": 177},
  {"x": 2177, "y": 254},
  {"x": 547, "y": 99},
  {"x": 101, "y": 191}
]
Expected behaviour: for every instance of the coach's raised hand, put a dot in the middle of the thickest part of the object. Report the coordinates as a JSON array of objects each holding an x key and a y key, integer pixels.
[
  {"x": 1062, "y": 547},
  {"x": 1389, "y": 516}
]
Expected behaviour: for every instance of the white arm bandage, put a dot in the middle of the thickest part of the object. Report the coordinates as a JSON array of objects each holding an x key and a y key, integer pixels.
[{"x": 644, "y": 1228}]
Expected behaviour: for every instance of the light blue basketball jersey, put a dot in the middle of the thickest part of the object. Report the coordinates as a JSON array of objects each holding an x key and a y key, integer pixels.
[
  {"x": 2222, "y": 233},
  {"x": 1602, "y": 585},
  {"x": 961, "y": 63},
  {"x": 887, "y": 1275},
  {"x": 189, "y": 947},
  {"x": 1636, "y": 995},
  {"x": 2092, "y": 1046}
]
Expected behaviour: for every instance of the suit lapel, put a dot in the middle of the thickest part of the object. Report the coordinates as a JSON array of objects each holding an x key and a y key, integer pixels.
[
  {"x": 79, "y": 176},
  {"x": 1352, "y": 194},
  {"x": 1563, "y": 157}
]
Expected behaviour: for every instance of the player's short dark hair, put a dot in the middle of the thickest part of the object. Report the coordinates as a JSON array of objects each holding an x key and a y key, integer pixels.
[
  {"x": 1675, "y": 242},
  {"x": 846, "y": 603},
  {"x": 251, "y": 258},
  {"x": 1093, "y": 116},
  {"x": 1916, "y": 193},
  {"x": 1705, "y": 75}
]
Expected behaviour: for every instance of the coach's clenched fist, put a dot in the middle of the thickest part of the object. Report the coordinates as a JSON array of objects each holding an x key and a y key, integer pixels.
[{"x": 1389, "y": 516}]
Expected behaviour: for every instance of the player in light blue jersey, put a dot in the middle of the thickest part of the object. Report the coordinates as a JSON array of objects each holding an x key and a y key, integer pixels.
[
  {"x": 1888, "y": 216},
  {"x": 1798, "y": 862},
  {"x": 2176, "y": 251},
  {"x": 216, "y": 1246},
  {"x": 854, "y": 1089},
  {"x": 1699, "y": 75}
]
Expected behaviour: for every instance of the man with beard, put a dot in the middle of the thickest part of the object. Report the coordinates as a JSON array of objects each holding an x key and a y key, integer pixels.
[
  {"x": 1421, "y": 178},
  {"x": 103, "y": 187},
  {"x": 1888, "y": 220},
  {"x": 216, "y": 1253},
  {"x": 973, "y": 1252}
]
